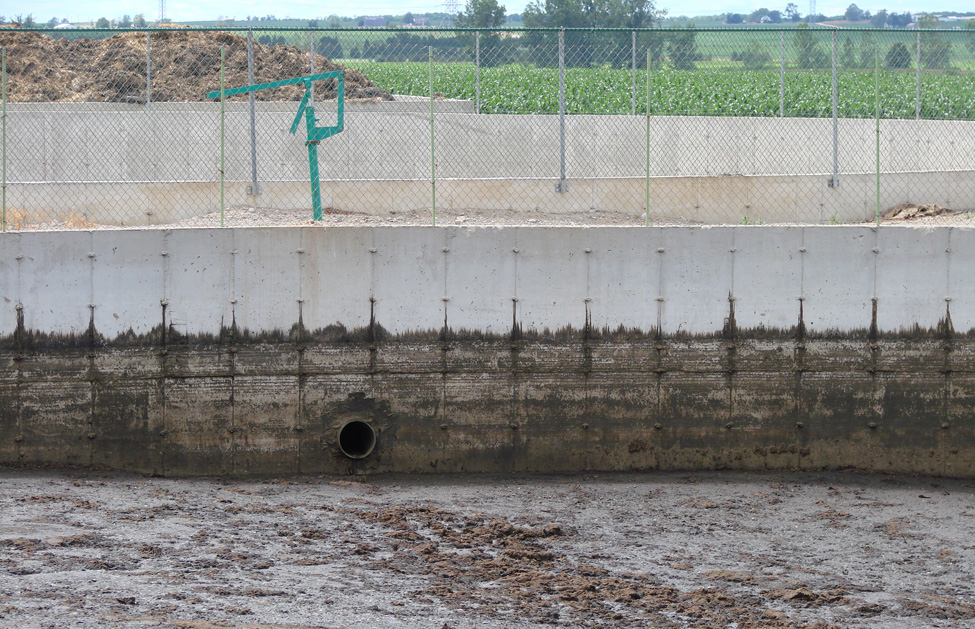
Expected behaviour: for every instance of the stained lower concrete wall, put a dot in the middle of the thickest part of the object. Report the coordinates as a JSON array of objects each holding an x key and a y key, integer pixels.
[
  {"x": 131, "y": 166},
  {"x": 243, "y": 351}
]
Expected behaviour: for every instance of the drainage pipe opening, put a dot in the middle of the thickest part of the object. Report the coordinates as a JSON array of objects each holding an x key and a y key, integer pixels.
[{"x": 357, "y": 439}]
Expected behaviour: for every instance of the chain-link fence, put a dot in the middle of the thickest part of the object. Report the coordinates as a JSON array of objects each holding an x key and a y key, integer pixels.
[{"x": 688, "y": 126}]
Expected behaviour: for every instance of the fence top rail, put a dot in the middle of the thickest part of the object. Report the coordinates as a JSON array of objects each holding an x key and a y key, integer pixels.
[{"x": 519, "y": 29}]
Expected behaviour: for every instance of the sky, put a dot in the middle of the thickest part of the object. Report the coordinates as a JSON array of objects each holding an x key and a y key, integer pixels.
[{"x": 186, "y": 11}]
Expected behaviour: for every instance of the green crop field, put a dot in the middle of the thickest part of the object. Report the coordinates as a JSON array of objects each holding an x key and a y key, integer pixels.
[{"x": 708, "y": 91}]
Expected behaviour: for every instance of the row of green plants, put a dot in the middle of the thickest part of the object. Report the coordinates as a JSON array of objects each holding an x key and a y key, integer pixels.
[{"x": 525, "y": 89}]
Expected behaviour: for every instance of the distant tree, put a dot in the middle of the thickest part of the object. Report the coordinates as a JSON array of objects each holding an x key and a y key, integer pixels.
[
  {"x": 775, "y": 17},
  {"x": 484, "y": 14},
  {"x": 899, "y": 20},
  {"x": 126, "y": 22},
  {"x": 408, "y": 18},
  {"x": 879, "y": 19},
  {"x": 330, "y": 47},
  {"x": 935, "y": 50},
  {"x": 139, "y": 21},
  {"x": 811, "y": 54},
  {"x": 853, "y": 13},
  {"x": 898, "y": 57},
  {"x": 334, "y": 22},
  {"x": 102, "y": 23},
  {"x": 734, "y": 18},
  {"x": 792, "y": 12},
  {"x": 755, "y": 57},
  {"x": 312, "y": 23},
  {"x": 28, "y": 22},
  {"x": 757, "y": 15},
  {"x": 52, "y": 22},
  {"x": 682, "y": 48}
]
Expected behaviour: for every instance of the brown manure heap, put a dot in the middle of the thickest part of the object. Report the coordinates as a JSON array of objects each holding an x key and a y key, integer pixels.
[{"x": 185, "y": 65}]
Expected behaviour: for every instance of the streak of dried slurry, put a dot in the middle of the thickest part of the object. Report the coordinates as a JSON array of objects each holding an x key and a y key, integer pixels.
[{"x": 94, "y": 549}]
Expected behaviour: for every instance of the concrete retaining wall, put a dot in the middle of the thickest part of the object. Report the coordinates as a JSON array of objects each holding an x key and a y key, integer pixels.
[
  {"x": 116, "y": 163},
  {"x": 547, "y": 349}
]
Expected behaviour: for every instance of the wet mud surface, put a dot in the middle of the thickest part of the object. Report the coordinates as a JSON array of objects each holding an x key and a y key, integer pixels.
[{"x": 94, "y": 549}]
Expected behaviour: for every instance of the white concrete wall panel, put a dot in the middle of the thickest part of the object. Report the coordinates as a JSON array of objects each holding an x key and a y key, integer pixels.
[
  {"x": 55, "y": 281},
  {"x": 912, "y": 278},
  {"x": 632, "y": 277},
  {"x": 480, "y": 279},
  {"x": 552, "y": 277},
  {"x": 624, "y": 277},
  {"x": 9, "y": 278},
  {"x": 838, "y": 269},
  {"x": 199, "y": 280},
  {"x": 695, "y": 280},
  {"x": 266, "y": 278},
  {"x": 126, "y": 300},
  {"x": 336, "y": 277},
  {"x": 410, "y": 278},
  {"x": 767, "y": 277}
]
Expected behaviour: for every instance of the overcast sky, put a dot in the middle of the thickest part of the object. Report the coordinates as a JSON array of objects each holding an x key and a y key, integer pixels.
[{"x": 185, "y": 11}]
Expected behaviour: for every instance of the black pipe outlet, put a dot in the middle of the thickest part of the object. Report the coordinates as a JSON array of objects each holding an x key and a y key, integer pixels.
[{"x": 357, "y": 439}]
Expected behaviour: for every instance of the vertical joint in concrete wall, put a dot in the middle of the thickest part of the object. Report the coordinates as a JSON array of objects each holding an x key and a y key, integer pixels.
[
  {"x": 92, "y": 334},
  {"x": 444, "y": 331},
  {"x": 587, "y": 327},
  {"x": 801, "y": 324},
  {"x": 946, "y": 329},
  {"x": 730, "y": 329},
  {"x": 20, "y": 332},
  {"x": 515, "y": 326},
  {"x": 298, "y": 329},
  {"x": 874, "y": 331},
  {"x": 371, "y": 334}
]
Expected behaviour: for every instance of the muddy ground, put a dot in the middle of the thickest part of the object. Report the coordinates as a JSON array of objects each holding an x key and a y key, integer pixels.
[{"x": 95, "y": 549}]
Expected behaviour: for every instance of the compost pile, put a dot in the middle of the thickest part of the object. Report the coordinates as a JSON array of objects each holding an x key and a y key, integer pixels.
[{"x": 185, "y": 65}]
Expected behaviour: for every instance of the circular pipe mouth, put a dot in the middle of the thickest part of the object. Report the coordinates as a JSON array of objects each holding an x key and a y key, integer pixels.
[{"x": 357, "y": 439}]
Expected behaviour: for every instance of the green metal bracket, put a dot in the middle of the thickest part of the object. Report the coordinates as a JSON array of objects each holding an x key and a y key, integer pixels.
[{"x": 315, "y": 133}]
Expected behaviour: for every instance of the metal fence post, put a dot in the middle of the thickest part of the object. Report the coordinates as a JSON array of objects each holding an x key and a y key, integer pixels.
[
  {"x": 917, "y": 93},
  {"x": 433, "y": 154},
  {"x": 148, "y": 72},
  {"x": 3, "y": 125},
  {"x": 254, "y": 189},
  {"x": 633, "y": 56},
  {"x": 477, "y": 72},
  {"x": 311, "y": 56},
  {"x": 781, "y": 74},
  {"x": 223, "y": 98},
  {"x": 562, "y": 186},
  {"x": 835, "y": 181},
  {"x": 647, "y": 191},
  {"x": 876, "y": 105}
]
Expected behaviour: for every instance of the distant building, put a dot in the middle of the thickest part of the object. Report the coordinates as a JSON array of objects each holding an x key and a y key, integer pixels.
[
  {"x": 374, "y": 21},
  {"x": 65, "y": 25}
]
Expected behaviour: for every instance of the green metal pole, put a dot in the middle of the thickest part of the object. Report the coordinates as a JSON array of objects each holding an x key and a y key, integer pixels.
[
  {"x": 433, "y": 155},
  {"x": 316, "y": 186},
  {"x": 647, "y": 196},
  {"x": 222, "y": 111},
  {"x": 876, "y": 75},
  {"x": 3, "y": 123}
]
